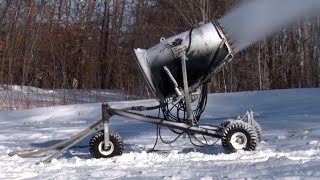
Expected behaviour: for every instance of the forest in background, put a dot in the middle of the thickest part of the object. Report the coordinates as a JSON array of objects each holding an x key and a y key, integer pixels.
[{"x": 88, "y": 44}]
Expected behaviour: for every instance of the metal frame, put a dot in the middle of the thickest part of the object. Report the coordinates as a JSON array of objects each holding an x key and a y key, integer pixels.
[
  {"x": 107, "y": 113},
  {"x": 209, "y": 131}
]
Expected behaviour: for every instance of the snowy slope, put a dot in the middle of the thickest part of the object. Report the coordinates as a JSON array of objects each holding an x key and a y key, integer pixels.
[{"x": 290, "y": 148}]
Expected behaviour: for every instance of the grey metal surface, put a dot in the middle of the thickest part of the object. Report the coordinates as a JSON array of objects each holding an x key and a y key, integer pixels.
[{"x": 208, "y": 48}]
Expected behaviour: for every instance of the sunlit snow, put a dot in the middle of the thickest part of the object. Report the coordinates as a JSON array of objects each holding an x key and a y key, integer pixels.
[{"x": 290, "y": 148}]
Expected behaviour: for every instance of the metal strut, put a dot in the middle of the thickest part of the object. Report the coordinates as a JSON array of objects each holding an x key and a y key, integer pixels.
[
  {"x": 186, "y": 89},
  {"x": 59, "y": 146},
  {"x": 105, "y": 119},
  {"x": 179, "y": 52}
]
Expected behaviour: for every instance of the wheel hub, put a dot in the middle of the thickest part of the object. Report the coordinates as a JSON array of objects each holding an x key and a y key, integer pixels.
[
  {"x": 106, "y": 152},
  {"x": 238, "y": 140}
]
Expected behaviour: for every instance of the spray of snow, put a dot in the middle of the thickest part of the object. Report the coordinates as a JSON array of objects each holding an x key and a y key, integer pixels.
[{"x": 254, "y": 20}]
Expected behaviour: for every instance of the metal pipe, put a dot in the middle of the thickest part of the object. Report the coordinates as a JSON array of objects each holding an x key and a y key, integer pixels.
[
  {"x": 212, "y": 131},
  {"x": 57, "y": 154},
  {"x": 31, "y": 152}
]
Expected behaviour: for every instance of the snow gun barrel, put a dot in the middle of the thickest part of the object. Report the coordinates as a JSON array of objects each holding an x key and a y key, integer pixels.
[{"x": 205, "y": 49}]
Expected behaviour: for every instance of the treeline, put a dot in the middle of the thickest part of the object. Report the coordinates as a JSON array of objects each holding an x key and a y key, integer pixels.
[{"x": 87, "y": 44}]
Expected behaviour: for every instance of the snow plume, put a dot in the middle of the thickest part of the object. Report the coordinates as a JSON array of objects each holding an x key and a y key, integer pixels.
[{"x": 253, "y": 20}]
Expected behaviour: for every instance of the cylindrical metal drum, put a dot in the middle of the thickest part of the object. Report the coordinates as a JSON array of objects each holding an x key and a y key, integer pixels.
[{"x": 207, "y": 50}]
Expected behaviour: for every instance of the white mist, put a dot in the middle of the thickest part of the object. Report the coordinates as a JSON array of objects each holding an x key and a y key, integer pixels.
[{"x": 253, "y": 20}]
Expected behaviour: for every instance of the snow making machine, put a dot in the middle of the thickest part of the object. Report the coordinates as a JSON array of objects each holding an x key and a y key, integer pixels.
[{"x": 178, "y": 71}]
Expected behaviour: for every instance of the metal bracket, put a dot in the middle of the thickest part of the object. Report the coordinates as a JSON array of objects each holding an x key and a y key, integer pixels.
[{"x": 248, "y": 117}]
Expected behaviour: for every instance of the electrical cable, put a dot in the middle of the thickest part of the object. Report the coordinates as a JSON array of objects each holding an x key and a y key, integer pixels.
[
  {"x": 202, "y": 144},
  {"x": 168, "y": 142},
  {"x": 157, "y": 134},
  {"x": 177, "y": 111},
  {"x": 190, "y": 34},
  {"x": 180, "y": 109}
]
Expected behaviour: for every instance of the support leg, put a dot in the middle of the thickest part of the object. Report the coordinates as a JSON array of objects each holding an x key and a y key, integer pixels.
[
  {"x": 105, "y": 119},
  {"x": 57, "y": 154},
  {"x": 31, "y": 152},
  {"x": 186, "y": 90}
]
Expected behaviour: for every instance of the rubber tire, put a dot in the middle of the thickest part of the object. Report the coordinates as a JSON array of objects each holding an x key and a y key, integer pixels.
[
  {"x": 258, "y": 130},
  {"x": 243, "y": 127},
  {"x": 98, "y": 138},
  {"x": 225, "y": 123}
]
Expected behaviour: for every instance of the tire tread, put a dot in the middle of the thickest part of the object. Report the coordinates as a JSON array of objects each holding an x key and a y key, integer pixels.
[
  {"x": 239, "y": 126},
  {"x": 98, "y": 137}
]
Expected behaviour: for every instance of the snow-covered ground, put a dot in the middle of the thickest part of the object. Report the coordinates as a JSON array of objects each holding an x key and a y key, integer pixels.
[{"x": 290, "y": 148}]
